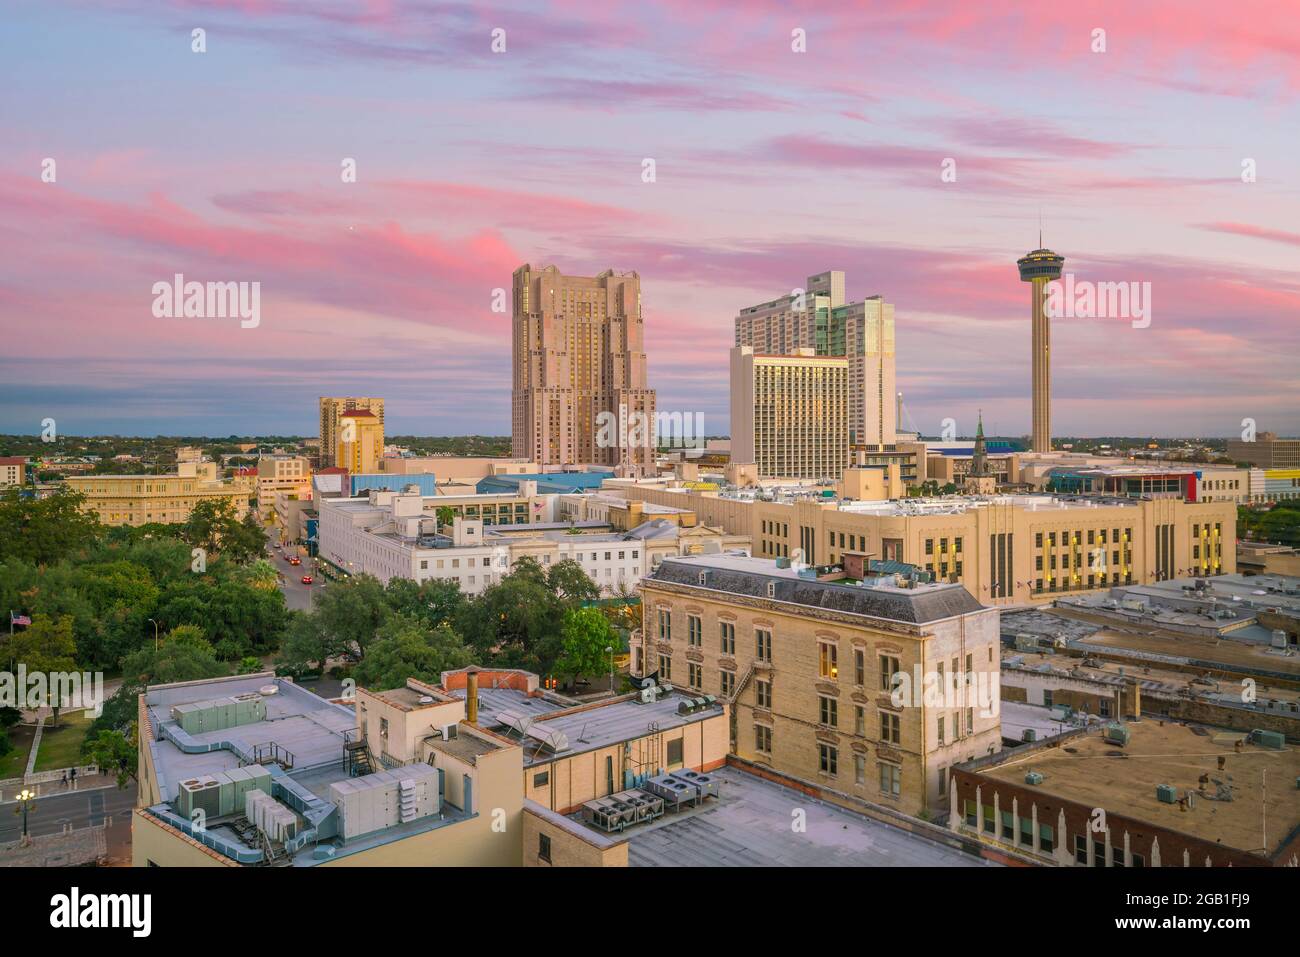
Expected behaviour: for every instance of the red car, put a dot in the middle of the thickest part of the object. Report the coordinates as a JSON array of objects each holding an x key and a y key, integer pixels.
[
  {"x": 306, "y": 579},
  {"x": 295, "y": 561}
]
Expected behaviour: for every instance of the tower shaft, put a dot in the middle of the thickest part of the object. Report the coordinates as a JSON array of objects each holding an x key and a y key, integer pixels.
[{"x": 1042, "y": 367}]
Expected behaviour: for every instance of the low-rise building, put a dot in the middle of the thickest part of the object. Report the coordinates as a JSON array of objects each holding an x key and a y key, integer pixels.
[
  {"x": 169, "y": 499},
  {"x": 827, "y": 679},
  {"x": 278, "y": 473},
  {"x": 13, "y": 470},
  {"x": 1144, "y": 792}
]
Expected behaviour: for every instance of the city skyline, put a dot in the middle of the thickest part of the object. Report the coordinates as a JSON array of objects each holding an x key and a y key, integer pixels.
[{"x": 767, "y": 168}]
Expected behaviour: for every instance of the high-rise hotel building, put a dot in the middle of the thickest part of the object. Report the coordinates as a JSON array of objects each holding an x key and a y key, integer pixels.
[
  {"x": 790, "y": 413},
  {"x": 579, "y": 352},
  {"x": 333, "y": 409},
  {"x": 819, "y": 318}
]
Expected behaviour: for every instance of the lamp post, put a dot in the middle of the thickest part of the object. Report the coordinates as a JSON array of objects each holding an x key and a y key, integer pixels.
[
  {"x": 26, "y": 798},
  {"x": 155, "y": 634},
  {"x": 610, "y": 650}
]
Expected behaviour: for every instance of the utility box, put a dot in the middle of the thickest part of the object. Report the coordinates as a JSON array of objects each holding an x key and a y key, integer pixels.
[
  {"x": 1033, "y": 777},
  {"x": 1166, "y": 794},
  {"x": 1116, "y": 734},
  {"x": 1268, "y": 739}
]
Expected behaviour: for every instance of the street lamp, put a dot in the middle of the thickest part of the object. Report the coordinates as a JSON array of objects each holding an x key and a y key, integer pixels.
[
  {"x": 155, "y": 634},
  {"x": 26, "y": 798},
  {"x": 610, "y": 650}
]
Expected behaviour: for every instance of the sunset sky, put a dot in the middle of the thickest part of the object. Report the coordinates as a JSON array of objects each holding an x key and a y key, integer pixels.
[{"x": 771, "y": 165}]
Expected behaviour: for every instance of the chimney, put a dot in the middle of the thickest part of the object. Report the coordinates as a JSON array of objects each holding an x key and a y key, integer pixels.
[
  {"x": 471, "y": 694},
  {"x": 1137, "y": 701}
]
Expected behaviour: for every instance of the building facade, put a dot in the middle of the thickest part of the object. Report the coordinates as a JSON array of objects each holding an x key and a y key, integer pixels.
[
  {"x": 13, "y": 470},
  {"x": 168, "y": 499},
  {"x": 278, "y": 473},
  {"x": 790, "y": 413},
  {"x": 820, "y": 318},
  {"x": 332, "y": 409},
  {"x": 811, "y": 667},
  {"x": 1005, "y": 549},
  {"x": 1267, "y": 451},
  {"x": 579, "y": 359}
]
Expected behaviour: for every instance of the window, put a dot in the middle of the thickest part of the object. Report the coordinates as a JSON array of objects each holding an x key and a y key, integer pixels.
[
  {"x": 941, "y": 729},
  {"x": 665, "y": 624},
  {"x": 828, "y": 759},
  {"x": 695, "y": 676},
  {"x": 891, "y": 779},
  {"x": 543, "y": 848},
  {"x": 728, "y": 683},
  {"x": 829, "y": 711},
  {"x": 828, "y": 660},
  {"x": 859, "y": 667},
  {"x": 859, "y": 719},
  {"x": 675, "y": 751},
  {"x": 666, "y": 667},
  {"x": 541, "y": 779},
  {"x": 859, "y": 769},
  {"x": 762, "y": 739},
  {"x": 888, "y": 668},
  {"x": 889, "y": 732},
  {"x": 383, "y": 728},
  {"x": 763, "y": 645},
  {"x": 694, "y": 630},
  {"x": 727, "y": 630},
  {"x": 763, "y": 694}
]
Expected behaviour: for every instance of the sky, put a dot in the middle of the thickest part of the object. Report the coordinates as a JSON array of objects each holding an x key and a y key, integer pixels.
[{"x": 915, "y": 146}]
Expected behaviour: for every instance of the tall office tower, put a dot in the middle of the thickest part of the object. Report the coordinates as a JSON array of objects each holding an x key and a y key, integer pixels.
[
  {"x": 818, "y": 318},
  {"x": 360, "y": 447},
  {"x": 790, "y": 414},
  {"x": 578, "y": 353},
  {"x": 1039, "y": 267},
  {"x": 332, "y": 409}
]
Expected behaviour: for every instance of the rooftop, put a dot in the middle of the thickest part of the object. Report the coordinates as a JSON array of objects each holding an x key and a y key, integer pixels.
[
  {"x": 1123, "y": 780},
  {"x": 749, "y": 826},
  {"x": 743, "y": 575},
  {"x": 961, "y": 504}
]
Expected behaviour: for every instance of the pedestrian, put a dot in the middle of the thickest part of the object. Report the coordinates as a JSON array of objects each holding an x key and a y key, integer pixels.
[
  {"x": 73, "y": 777},
  {"x": 64, "y": 782}
]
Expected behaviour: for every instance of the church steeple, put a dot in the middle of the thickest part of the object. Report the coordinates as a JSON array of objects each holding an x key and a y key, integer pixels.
[{"x": 979, "y": 460}]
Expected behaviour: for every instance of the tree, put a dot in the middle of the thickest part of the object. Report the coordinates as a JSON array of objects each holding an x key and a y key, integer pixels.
[
  {"x": 47, "y": 646},
  {"x": 114, "y": 752},
  {"x": 307, "y": 643},
  {"x": 515, "y": 623},
  {"x": 570, "y": 583},
  {"x": 352, "y": 611},
  {"x": 446, "y": 515},
  {"x": 173, "y": 661},
  {"x": 435, "y": 600},
  {"x": 584, "y": 638},
  {"x": 44, "y": 530},
  {"x": 407, "y": 648}
]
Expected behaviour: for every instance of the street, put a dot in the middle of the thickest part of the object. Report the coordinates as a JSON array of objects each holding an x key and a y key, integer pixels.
[
  {"x": 296, "y": 595},
  {"x": 57, "y": 808}
]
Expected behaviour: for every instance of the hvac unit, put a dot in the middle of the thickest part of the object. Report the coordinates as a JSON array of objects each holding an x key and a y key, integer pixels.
[
  {"x": 1268, "y": 739},
  {"x": 1116, "y": 734},
  {"x": 202, "y": 794},
  {"x": 1033, "y": 777},
  {"x": 1166, "y": 794}
]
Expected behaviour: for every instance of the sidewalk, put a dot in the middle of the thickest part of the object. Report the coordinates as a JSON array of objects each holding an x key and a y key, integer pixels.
[{"x": 87, "y": 782}]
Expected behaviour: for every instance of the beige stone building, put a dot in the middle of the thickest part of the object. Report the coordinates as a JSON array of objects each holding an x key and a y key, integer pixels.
[
  {"x": 1005, "y": 549},
  {"x": 360, "y": 442},
  {"x": 332, "y": 409},
  {"x": 810, "y": 670},
  {"x": 578, "y": 352},
  {"x": 142, "y": 499},
  {"x": 12, "y": 470},
  {"x": 790, "y": 413},
  {"x": 281, "y": 473}
]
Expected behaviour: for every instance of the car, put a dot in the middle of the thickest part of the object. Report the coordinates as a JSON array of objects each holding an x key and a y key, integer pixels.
[
  {"x": 295, "y": 561},
  {"x": 306, "y": 579}
]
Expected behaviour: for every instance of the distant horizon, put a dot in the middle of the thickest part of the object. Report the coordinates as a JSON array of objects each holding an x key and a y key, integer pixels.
[{"x": 377, "y": 173}]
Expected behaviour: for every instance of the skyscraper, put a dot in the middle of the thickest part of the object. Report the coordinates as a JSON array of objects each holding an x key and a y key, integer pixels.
[
  {"x": 579, "y": 352},
  {"x": 819, "y": 318},
  {"x": 1039, "y": 267},
  {"x": 332, "y": 409}
]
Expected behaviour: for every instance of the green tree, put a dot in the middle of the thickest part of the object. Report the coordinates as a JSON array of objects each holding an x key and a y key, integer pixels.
[
  {"x": 407, "y": 648},
  {"x": 515, "y": 623},
  {"x": 306, "y": 644},
  {"x": 585, "y": 636},
  {"x": 352, "y": 611},
  {"x": 114, "y": 753},
  {"x": 436, "y": 601},
  {"x": 47, "y": 645},
  {"x": 570, "y": 583},
  {"x": 44, "y": 530}
]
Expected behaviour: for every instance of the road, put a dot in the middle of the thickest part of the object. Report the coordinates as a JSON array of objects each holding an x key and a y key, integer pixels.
[
  {"x": 57, "y": 808},
  {"x": 296, "y": 594}
]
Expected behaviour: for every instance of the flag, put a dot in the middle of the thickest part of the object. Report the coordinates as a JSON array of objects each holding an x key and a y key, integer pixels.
[{"x": 19, "y": 620}]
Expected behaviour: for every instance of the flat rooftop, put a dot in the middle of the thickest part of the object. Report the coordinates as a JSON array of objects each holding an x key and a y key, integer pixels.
[
  {"x": 961, "y": 504},
  {"x": 595, "y": 725},
  {"x": 740, "y": 574},
  {"x": 1123, "y": 780},
  {"x": 749, "y": 826}
]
